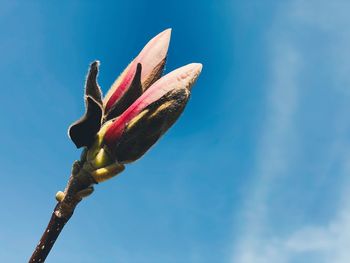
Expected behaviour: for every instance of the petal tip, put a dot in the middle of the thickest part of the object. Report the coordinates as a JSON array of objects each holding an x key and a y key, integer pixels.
[
  {"x": 164, "y": 39},
  {"x": 197, "y": 67},
  {"x": 166, "y": 33},
  {"x": 189, "y": 74}
]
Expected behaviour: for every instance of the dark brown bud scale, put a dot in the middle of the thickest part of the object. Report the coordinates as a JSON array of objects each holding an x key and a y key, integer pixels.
[
  {"x": 83, "y": 131},
  {"x": 148, "y": 126}
]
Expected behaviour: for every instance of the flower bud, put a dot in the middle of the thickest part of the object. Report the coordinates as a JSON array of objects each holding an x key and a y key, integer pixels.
[
  {"x": 151, "y": 115},
  {"x": 138, "y": 109}
]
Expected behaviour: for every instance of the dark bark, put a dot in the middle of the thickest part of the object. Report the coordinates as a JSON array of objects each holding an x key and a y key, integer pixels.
[
  {"x": 49, "y": 237},
  {"x": 79, "y": 186}
]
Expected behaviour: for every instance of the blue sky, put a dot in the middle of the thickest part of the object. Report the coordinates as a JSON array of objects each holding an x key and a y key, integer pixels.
[{"x": 257, "y": 168}]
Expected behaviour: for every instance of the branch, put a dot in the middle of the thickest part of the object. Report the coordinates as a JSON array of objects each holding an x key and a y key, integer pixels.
[{"x": 79, "y": 186}]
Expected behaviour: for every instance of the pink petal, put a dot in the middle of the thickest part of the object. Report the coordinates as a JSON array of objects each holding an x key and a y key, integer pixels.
[{"x": 150, "y": 57}]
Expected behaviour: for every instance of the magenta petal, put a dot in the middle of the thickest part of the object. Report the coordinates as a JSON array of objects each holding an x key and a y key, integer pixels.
[{"x": 130, "y": 95}]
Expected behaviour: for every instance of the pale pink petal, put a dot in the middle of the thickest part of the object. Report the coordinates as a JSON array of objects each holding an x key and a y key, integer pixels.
[{"x": 152, "y": 55}]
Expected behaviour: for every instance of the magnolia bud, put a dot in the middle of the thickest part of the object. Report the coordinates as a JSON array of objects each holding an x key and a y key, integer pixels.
[
  {"x": 138, "y": 109},
  {"x": 141, "y": 125}
]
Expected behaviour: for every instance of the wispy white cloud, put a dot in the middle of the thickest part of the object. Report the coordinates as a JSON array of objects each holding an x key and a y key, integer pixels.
[
  {"x": 312, "y": 243},
  {"x": 279, "y": 144},
  {"x": 273, "y": 155}
]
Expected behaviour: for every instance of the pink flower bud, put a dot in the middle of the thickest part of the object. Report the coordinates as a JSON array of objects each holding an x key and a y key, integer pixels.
[
  {"x": 142, "y": 124},
  {"x": 136, "y": 112}
]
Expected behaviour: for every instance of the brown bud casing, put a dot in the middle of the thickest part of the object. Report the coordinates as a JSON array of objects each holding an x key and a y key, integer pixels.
[{"x": 147, "y": 127}]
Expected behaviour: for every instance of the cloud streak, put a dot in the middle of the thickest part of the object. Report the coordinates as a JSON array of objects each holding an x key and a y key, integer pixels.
[{"x": 281, "y": 141}]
